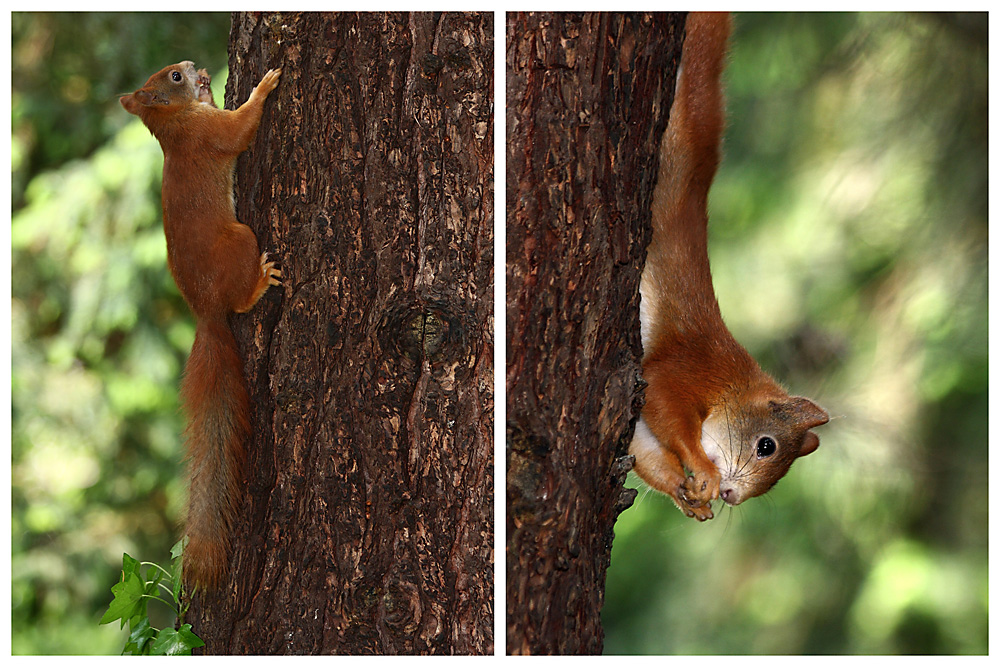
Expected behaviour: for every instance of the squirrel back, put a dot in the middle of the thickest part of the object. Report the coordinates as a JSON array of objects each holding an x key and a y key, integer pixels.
[
  {"x": 714, "y": 424},
  {"x": 215, "y": 262}
]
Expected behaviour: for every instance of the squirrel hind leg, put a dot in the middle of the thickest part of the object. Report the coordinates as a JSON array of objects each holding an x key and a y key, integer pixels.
[{"x": 269, "y": 275}]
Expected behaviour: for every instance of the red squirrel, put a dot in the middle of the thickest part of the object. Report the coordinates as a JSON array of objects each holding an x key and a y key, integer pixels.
[
  {"x": 215, "y": 262},
  {"x": 710, "y": 410}
]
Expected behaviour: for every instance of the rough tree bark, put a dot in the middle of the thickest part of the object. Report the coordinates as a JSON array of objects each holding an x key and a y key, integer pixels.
[
  {"x": 587, "y": 102},
  {"x": 368, "y": 520}
]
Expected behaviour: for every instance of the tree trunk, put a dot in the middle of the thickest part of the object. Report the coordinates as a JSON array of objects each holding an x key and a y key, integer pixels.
[
  {"x": 368, "y": 521},
  {"x": 587, "y": 102}
]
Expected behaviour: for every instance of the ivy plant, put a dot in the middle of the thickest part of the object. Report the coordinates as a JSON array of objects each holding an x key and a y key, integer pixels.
[{"x": 133, "y": 592}]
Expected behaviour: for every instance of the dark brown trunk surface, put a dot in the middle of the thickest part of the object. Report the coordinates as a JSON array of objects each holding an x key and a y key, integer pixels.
[
  {"x": 368, "y": 526},
  {"x": 587, "y": 102}
]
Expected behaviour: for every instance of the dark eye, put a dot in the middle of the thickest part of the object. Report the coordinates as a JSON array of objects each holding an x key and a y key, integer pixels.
[
  {"x": 176, "y": 76},
  {"x": 765, "y": 447}
]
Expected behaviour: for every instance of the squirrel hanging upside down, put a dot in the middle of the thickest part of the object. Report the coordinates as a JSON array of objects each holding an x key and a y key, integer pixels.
[
  {"x": 710, "y": 409},
  {"x": 216, "y": 264}
]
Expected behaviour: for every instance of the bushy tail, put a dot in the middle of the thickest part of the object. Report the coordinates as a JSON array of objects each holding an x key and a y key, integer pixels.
[
  {"x": 697, "y": 117},
  {"x": 214, "y": 398},
  {"x": 677, "y": 267}
]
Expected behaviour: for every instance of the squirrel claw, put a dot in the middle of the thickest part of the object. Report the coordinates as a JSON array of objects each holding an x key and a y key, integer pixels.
[
  {"x": 270, "y": 80},
  {"x": 691, "y": 504},
  {"x": 697, "y": 493},
  {"x": 272, "y": 274},
  {"x": 702, "y": 512}
]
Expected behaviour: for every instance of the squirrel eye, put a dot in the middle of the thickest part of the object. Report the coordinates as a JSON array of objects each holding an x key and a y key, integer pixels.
[
  {"x": 176, "y": 76},
  {"x": 765, "y": 447}
]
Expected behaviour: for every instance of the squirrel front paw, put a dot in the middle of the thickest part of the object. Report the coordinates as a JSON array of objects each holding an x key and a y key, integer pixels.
[
  {"x": 696, "y": 494},
  {"x": 270, "y": 81},
  {"x": 701, "y": 487},
  {"x": 205, "y": 88},
  {"x": 703, "y": 513}
]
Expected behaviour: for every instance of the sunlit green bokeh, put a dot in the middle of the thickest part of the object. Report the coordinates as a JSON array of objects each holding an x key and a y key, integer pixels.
[
  {"x": 99, "y": 332},
  {"x": 849, "y": 251}
]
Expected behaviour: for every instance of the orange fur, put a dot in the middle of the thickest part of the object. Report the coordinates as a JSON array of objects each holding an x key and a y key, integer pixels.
[
  {"x": 214, "y": 261},
  {"x": 708, "y": 403}
]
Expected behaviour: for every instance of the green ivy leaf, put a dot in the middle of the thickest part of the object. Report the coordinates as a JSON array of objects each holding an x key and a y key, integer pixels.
[
  {"x": 128, "y": 602},
  {"x": 177, "y": 550},
  {"x": 139, "y": 640},
  {"x": 176, "y": 642},
  {"x": 130, "y": 566},
  {"x": 176, "y": 555}
]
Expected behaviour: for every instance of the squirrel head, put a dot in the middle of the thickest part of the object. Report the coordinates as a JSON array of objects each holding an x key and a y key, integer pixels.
[
  {"x": 754, "y": 439},
  {"x": 172, "y": 88}
]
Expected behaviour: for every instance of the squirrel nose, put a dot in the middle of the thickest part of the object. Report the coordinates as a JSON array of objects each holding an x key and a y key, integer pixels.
[{"x": 729, "y": 495}]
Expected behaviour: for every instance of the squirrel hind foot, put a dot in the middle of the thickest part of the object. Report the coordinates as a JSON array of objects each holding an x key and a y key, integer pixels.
[
  {"x": 270, "y": 272},
  {"x": 269, "y": 276}
]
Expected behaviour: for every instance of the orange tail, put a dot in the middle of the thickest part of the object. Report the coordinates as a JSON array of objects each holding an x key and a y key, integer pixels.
[
  {"x": 677, "y": 280},
  {"x": 214, "y": 397},
  {"x": 697, "y": 118}
]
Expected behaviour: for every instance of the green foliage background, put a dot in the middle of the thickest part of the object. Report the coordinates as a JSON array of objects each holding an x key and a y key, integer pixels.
[
  {"x": 849, "y": 243},
  {"x": 99, "y": 332},
  {"x": 849, "y": 248}
]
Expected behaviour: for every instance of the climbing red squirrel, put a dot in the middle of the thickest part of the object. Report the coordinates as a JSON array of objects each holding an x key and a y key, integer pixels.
[
  {"x": 215, "y": 262},
  {"x": 710, "y": 409}
]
